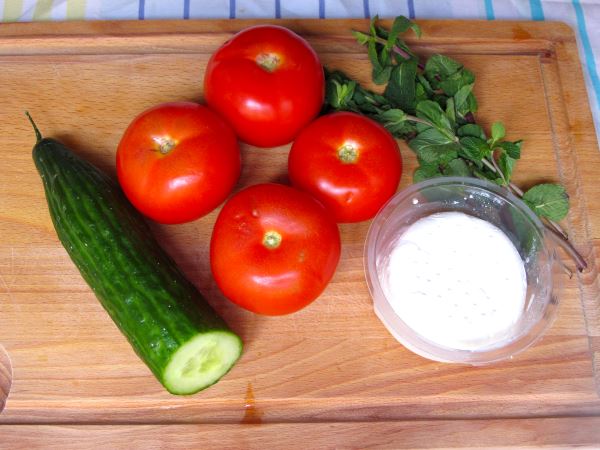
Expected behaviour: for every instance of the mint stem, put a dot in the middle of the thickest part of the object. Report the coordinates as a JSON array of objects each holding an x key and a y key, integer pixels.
[
  {"x": 519, "y": 193},
  {"x": 419, "y": 120},
  {"x": 398, "y": 51},
  {"x": 558, "y": 228},
  {"x": 568, "y": 247},
  {"x": 556, "y": 231},
  {"x": 517, "y": 189},
  {"x": 497, "y": 169}
]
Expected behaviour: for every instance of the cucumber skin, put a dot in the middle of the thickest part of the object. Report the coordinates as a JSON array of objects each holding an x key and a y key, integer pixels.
[{"x": 154, "y": 305}]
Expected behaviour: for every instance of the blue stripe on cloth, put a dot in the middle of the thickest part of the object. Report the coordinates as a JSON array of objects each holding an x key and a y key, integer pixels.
[
  {"x": 537, "y": 12},
  {"x": 366, "y": 9},
  {"x": 321, "y": 9},
  {"x": 141, "y": 7},
  {"x": 587, "y": 49},
  {"x": 232, "y": 9},
  {"x": 411, "y": 9},
  {"x": 186, "y": 9},
  {"x": 489, "y": 10},
  {"x": 278, "y": 9}
]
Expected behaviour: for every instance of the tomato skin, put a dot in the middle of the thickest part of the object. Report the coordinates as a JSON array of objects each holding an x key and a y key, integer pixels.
[
  {"x": 281, "y": 280},
  {"x": 266, "y": 108},
  {"x": 352, "y": 191},
  {"x": 193, "y": 177}
]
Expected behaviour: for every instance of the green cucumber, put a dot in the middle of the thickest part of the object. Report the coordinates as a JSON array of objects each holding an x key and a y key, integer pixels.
[{"x": 168, "y": 323}]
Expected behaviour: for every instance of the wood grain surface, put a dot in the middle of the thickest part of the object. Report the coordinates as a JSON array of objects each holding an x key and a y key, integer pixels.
[
  {"x": 331, "y": 370},
  {"x": 582, "y": 432}
]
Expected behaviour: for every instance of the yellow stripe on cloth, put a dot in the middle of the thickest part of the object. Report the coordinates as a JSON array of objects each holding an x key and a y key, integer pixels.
[
  {"x": 43, "y": 10},
  {"x": 12, "y": 10},
  {"x": 75, "y": 9}
]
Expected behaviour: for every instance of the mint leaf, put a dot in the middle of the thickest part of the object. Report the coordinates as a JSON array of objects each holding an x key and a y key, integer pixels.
[
  {"x": 456, "y": 81},
  {"x": 416, "y": 29},
  {"x": 512, "y": 149},
  {"x": 432, "y": 112},
  {"x": 425, "y": 172},
  {"x": 451, "y": 112},
  {"x": 457, "y": 168},
  {"x": 381, "y": 72},
  {"x": 461, "y": 98},
  {"x": 384, "y": 57},
  {"x": 426, "y": 86},
  {"x": 441, "y": 66},
  {"x": 373, "y": 25},
  {"x": 506, "y": 165},
  {"x": 498, "y": 131},
  {"x": 420, "y": 93},
  {"x": 433, "y": 147},
  {"x": 434, "y": 137},
  {"x": 393, "y": 116},
  {"x": 382, "y": 75},
  {"x": 548, "y": 200},
  {"x": 401, "y": 25},
  {"x": 401, "y": 87},
  {"x": 394, "y": 120},
  {"x": 339, "y": 95},
  {"x": 473, "y": 148},
  {"x": 361, "y": 38},
  {"x": 373, "y": 55},
  {"x": 471, "y": 105},
  {"x": 368, "y": 102},
  {"x": 471, "y": 129}
]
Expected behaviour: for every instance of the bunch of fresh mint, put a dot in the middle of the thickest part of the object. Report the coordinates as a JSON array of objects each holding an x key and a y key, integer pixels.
[{"x": 432, "y": 107}]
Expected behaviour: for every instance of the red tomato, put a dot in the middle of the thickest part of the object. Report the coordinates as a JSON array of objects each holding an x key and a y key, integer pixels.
[
  {"x": 267, "y": 82},
  {"x": 273, "y": 249},
  {"x": 178, "y": 161},
  {"x": 348, "y": 162}
]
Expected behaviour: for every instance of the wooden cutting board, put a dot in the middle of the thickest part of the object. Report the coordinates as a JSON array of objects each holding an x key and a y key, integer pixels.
[{"x": 330, "y": 375}]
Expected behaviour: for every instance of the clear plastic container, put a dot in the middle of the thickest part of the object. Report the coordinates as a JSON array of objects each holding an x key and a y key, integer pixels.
[{"x": 486, "y": 201}]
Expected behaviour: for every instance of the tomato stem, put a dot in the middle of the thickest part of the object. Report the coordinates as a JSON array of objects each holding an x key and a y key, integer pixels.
[
  {"x": 272, "y": 239},
  {"x": 165, "y": 144},
  {"x": 268, "y": 61},
  {"x": 348, "y": 154}
]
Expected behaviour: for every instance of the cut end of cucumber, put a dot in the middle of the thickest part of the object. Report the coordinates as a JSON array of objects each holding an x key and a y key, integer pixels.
[{"x": 202, "y": 361}]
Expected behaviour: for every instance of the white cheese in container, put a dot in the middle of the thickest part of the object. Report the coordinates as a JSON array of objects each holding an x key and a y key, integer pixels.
[{"x": 456, "y": 280}]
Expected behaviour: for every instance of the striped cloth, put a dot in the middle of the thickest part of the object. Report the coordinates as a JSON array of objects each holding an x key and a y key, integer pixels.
[{"x": 582, "y": 15}]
